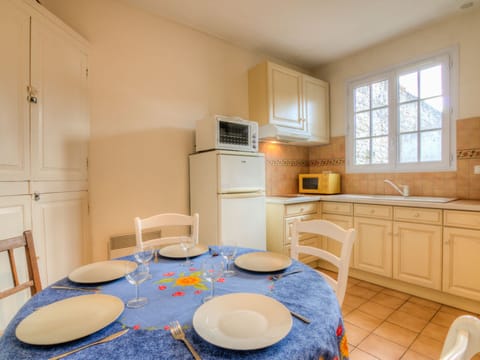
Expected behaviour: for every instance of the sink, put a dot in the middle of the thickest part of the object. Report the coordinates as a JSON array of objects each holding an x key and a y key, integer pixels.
[{"x": 433, "y": 199}]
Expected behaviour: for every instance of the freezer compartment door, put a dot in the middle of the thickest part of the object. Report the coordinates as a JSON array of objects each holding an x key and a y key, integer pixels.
[
  {"x": 241, "y": 173},
  {"x": 242, "y": 221}
]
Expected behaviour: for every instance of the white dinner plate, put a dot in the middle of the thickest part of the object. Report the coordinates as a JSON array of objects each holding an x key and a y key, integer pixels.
[
  {"x": 242, "y": 321},
  {"x": 264, "y": 261},
  {"x": 69, "y": 319},
  {"x": 176, "y": 252},
  {"x": 101, "y": 271}
]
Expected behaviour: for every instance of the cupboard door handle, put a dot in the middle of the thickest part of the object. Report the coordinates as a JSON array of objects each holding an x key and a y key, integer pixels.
[
  {"x": 33, "y": 99},
  {"x": 36, "y": 196},
  {"x": 416, "y": 215}
]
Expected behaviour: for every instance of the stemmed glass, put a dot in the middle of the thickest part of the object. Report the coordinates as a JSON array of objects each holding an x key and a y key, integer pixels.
[
  {"x": 187, "y": 243},
  {"x": 144, "y": 256},
  {"x": 228, "y": 252},
  {"x": 212, "y": 270},
  {"x": 136, "y": 277}
]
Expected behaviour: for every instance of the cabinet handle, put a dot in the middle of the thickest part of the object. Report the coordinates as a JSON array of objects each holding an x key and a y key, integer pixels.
[
  {"x": 372, "y": 211},
  {"x": 36, "y": 196},
  {"x": 32, "y": 95},
  {"x": 416, "y": 215}
]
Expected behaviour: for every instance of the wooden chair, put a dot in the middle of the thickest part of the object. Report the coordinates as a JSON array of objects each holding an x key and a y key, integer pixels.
[
  {"x": 164, "y": 221},
  {"x": 463, "y": 339},
  {"x": 33, "y": 282},
  {"x": 334, "y": 232}
]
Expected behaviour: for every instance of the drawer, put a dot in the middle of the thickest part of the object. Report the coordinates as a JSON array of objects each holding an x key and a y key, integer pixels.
[
  {"x": 463, "y": 219},
  {"x": 301, "y": 208},
  {"x": 375, "y": 211},
  {"x": 418, "y": 215},
  {"x": 340, "y": 208},
  {"x": 288, "y": 228}
]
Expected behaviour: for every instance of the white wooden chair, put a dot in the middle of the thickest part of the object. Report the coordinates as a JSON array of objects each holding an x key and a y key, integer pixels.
[
  {"x": 463, "y": 339},
  {"x": 161, "y": 222},
  {"x": 334, "y": 232}
]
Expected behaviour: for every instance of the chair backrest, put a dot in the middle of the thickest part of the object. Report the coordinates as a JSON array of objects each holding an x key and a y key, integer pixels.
[
  {"x": 463, "y": 339},
  {"x": 33, "y": 282},
  {"x": 334, "y": 232},
  {"x": 163, "y": 221}
]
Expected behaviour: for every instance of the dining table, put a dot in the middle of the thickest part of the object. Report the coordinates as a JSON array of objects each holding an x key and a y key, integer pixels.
[{"x": 175, "y": 292}]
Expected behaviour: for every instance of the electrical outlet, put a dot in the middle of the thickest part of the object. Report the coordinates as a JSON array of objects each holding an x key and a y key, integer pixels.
[{"x": 476, "y": 169}]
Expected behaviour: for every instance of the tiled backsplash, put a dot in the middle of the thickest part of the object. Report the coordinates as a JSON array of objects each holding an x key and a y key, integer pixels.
[{"x": 285, "y": 162}]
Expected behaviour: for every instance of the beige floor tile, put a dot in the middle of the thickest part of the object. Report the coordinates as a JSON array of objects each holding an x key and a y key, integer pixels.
[
  {"x": 358, "y": 354},
  {"x": 347, "y": 309},
  {"x": 407, "y": 321},
  {"x": 377, "y": 310},
  {"x": 363, "y": 320},
  {"x": 443, "y": 319},
  {"x": 427, "y": 346},
  {"x": 387, "y": 300},
  {"x": 396, "y": 334},
  {"x": 382, "y": 348},
  {"x": 412, "y": 355},
  {"x": 355, "y": 334},
  {"x": 396, "y": 293},
  {"x": 362, "y": 292},
  {"x": 376, "y": 288},
  {"x": 435, "y": 331},
  {"x": 418, "y": 310},
  {"x": 425, "y": 302},
  {"x": 353, "y": 301}
]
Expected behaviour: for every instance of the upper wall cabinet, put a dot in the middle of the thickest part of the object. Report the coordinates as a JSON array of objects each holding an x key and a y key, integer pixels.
[
  {"x": 44, "y": 119},
  {"x": 291, "y": 100}
]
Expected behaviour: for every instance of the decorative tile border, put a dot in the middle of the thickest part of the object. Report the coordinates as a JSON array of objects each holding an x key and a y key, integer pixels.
[
  {"x": 327, "y": 162},
  {"x": 316, "y": 163},
  {"x": 465, "y": 154},
  {"x": 287, "y": 162}
]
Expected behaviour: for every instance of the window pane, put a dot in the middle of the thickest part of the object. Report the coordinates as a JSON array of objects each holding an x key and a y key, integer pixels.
[
  {"x": 362, "y": 98},
  {"x": 431, "y": 146},
  {"x": 431, "y": 82},
  {"x": 407, "y": 117},
  {"x": 362, "y": 124},
  {"x": 380, "y": 150},
  {"x": 408, "y": 87},
  {"x": 380, "y": 94},
  {"x": 362, "y": 152},
  {"x": 431, "y": 113},
  {"x": 408, "y": 148},
  {"x": 380, "y": 122}
]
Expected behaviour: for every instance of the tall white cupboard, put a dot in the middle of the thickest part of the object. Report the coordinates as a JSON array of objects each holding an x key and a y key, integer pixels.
[{"x": 44, "y": 132}]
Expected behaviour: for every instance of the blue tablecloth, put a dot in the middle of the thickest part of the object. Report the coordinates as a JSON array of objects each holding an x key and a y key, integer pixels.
[{"x": 174, "y": 293}]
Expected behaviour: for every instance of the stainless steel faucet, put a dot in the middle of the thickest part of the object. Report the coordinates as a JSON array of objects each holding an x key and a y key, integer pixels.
[{"x": 405, "y": 191}]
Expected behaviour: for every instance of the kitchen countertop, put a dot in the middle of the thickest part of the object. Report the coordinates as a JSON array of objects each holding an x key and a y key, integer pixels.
[{"x": 468, "y": 205}]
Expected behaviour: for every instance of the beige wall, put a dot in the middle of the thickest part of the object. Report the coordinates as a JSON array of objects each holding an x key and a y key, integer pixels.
[
  {"x": 150, "y": 80},
  {"x": 462, "y": 30}
]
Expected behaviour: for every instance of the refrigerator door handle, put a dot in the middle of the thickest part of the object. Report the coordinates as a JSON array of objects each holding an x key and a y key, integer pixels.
[
  {"x": 242, "y": 195},
  {"x": 232, "y": 190}
]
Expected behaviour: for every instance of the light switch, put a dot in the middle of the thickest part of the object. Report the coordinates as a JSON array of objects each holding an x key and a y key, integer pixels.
[{"x": 476, "y": 169}]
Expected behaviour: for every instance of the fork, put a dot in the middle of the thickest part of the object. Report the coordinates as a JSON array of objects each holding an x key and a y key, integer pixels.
[
  {"x": 178, "y": 334},
  {"x": 279, "y": 276}
]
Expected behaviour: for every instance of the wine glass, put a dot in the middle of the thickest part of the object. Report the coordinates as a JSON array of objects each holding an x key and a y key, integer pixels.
[
  {"x": 228, "y": 252},
  {"x": 136, "y": 277},
  {"x": 144, "y": 256},
  {"x": 187, "y": 243},
  {"x": 212, "y": 270}
]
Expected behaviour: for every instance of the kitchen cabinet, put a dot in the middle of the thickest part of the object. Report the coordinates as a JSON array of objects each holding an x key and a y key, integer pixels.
[
  {"x": 417, "y": 246},
  {"x": 461, "y": 265},
  {"x": 15, "y": 216},
  {"x": 44, "y": 131},
  {"x": 280, "y": 218},
  {"x": 289, "y": 99}
]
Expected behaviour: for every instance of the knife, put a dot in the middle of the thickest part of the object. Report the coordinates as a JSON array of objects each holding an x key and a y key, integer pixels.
[{"x": 301, "y": 317}]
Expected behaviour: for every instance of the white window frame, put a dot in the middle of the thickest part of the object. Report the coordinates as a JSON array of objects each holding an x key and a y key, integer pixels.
[{"x": 447, "y": 56}]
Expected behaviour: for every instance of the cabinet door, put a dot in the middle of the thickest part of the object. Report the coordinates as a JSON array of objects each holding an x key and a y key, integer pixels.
[
  {"x": 60, "y": 226},
  {"x": 417, "y": 250},
  {"x": 373, "y": 246},
  {"x": 286, "y": 105},
  {"x": 461, "y": 265},
  {"x": 333, "y": 246},
  {"x": 14, "y": 70},
  {"x": 316, "y": 109},
  {"x": 14, "y": 219},
  {"x": 59, "y": 120}
]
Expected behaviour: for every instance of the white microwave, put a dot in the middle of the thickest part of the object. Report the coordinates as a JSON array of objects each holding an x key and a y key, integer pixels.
[{"x": 226, "y": 133}]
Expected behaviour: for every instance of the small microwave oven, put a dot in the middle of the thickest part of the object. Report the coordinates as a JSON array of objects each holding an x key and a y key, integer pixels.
[
  {"x": 328, "y": 183},
  {"x": 226, "y": 133}
]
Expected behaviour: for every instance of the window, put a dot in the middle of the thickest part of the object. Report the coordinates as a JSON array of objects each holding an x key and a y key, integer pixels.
[{"x": 400, "y": 120}]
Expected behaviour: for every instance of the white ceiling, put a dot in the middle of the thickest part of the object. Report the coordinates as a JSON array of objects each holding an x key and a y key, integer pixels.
[{"x": 307, "y": 33}]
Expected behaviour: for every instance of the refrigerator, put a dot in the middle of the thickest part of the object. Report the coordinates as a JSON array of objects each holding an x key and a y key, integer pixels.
[{"x": 227, "y": 190}]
